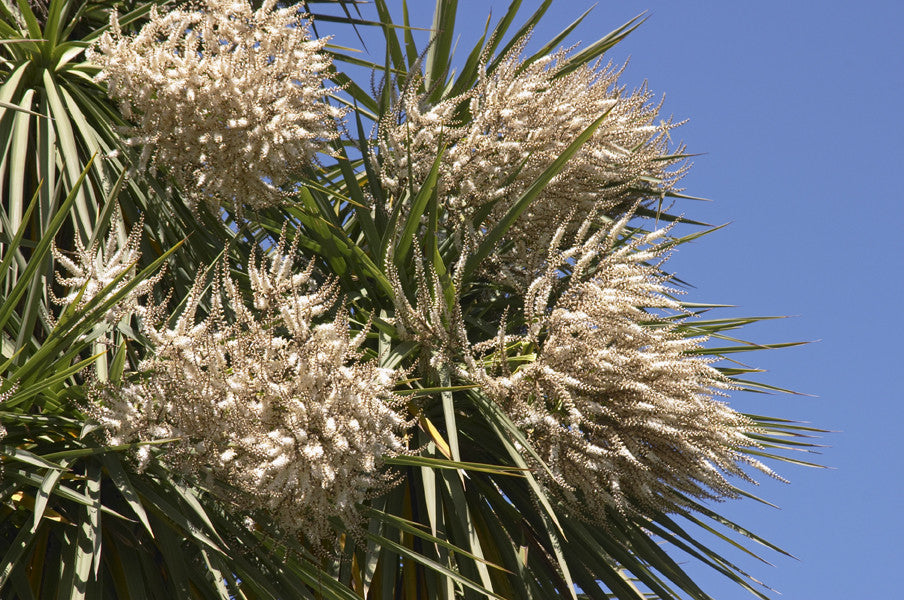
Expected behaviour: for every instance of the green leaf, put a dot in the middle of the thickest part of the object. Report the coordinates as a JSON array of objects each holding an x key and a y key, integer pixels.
[
  {"x": 18, "y": 153},
  {"x": 439, "y": 54},
  {"x": 26, "y": 457},
  {"x": 524, "y": 30},
  {"x": 455, "y": 465},
  {"x": 47, "y": 383},
  {"x": 414, "y": 529},
  {"x": 68, "y": 147},
  {"x": 600, "y": 46},
  {"x": 14, "y": 553},
  {"x": 112, "y": 463},
  {"x": 166, "y": 510},
  {"x": 118, "y": 365},
  {"x": 393, "y": 48},
  {"x": 413, "y": 218},
  {"x": 189, "y": 498},
  {"x": 18, "y": 108},
  {"x": 431, "y": 564},
  {"x": 40, "y": 251},
  {"x": 51, "y": 480},
  {"x": 34, "y": 28},
  {"x": 87, "y": 546}
]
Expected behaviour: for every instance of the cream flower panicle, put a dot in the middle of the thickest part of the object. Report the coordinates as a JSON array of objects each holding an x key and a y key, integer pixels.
[
  {"x": 229, "y": 100},
  {"x": 4, "y": 396},
  {"x": 618, "y": 402},
  {"x": 92, "y": 269},
  {"x": 523, "y": 116},
  {"x": 271, "y": 404}
]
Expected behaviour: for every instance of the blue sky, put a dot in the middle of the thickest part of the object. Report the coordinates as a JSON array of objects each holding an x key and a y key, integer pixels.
[{"x": 795, "y": 110}]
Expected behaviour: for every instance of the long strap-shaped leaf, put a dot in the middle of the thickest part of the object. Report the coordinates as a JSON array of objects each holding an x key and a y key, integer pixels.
[
  {"x": 18, "y": 108},
  {"x": 12, "y": 246},
  {"x": 67, "y": 146},
  {"x": 430, "y": 564},
  {"x": 18, "y": 156},
  {"x": 416, "y": 530},
  {"x": 455, "y": 465},
  {"x": 14, "y": 552},
  {"x": 41, "y": 249},
  {"x": 439, "y": 55},
  {"x": 600, "y": 46},
  {"x": 524, "y": 30},
  {"x": 393, "y": 47},
  {"x": 416, "y": 211},
  {"x": 113, "y": 464}
]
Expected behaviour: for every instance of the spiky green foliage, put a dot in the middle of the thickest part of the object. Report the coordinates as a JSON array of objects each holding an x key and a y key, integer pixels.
[{"x": 482, "y": 318}]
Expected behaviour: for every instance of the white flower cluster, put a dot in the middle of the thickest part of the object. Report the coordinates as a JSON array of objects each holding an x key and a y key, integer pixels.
[
  {"x": 93, "y": 269},
  {"x": 433, "y": 320},
  {"x": 618, "y": 403},
  {"x": 228, "y": 99},
  {"x": 4, "y": 396},
  {"x": 523, "y": 116},
  {"x": 276, "y": 412}
]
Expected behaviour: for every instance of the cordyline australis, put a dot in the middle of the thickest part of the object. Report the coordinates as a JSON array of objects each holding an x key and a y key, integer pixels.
[{"x": 460, "y": 370}]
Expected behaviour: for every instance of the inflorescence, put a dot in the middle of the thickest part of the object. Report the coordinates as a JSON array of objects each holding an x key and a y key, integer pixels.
[
  {"x": 271, "y": 404},
  {"x": 618, "y": 402},
  {"x": 229, "y": 100},
  {"x": 500, "y": 136}
]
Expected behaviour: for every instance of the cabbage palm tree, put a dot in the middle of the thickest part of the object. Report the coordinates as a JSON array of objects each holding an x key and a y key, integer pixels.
[{"x": 269, "y": 335}]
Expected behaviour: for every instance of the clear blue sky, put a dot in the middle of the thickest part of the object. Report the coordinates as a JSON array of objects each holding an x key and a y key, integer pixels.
[{"x": 795, "y": 107}]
